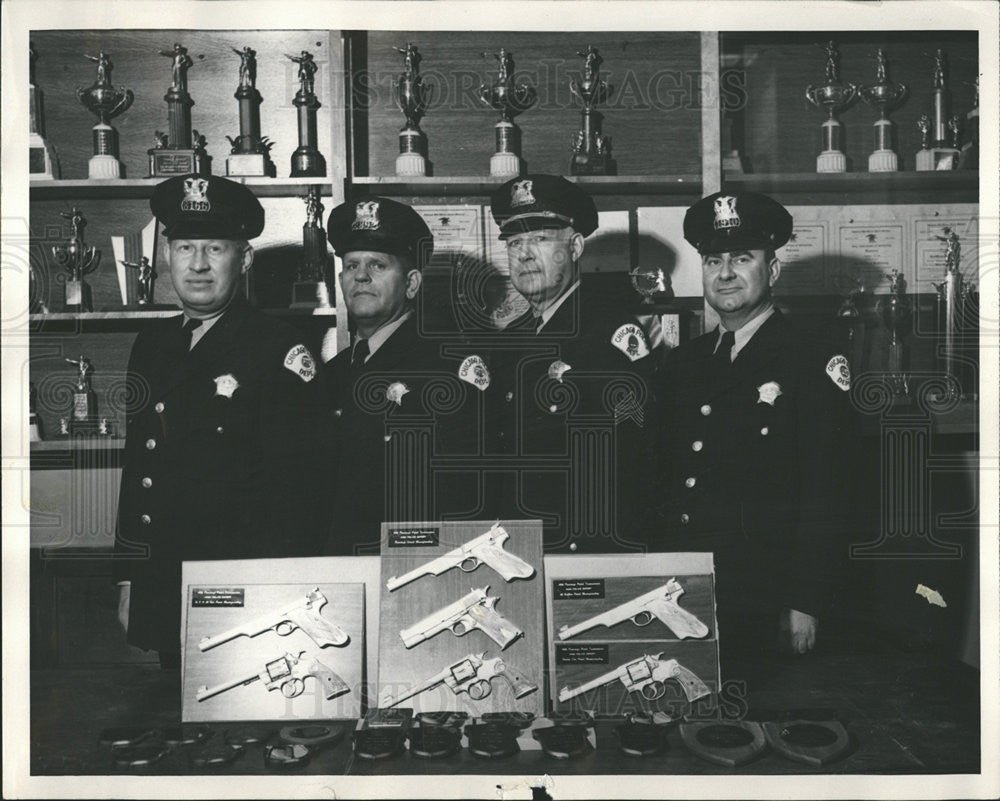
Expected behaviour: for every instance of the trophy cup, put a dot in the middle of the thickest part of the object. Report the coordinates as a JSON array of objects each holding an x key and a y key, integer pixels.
[
  {"x": 250, "y": 153},
  {"x": 35, "y": 431},
  {"x": 412, "y": 97},
  {"x": 591, "y": 150},
  {"x": 176, "y": 152},
  {"x": 307, "y": 161},
  {"x": 83, "y": 417},
  {"x": 953, "y": 295},
  {"x": 884, "y": 95},
  {"x": 106, "y": 102},
  {"x": 310, "y": 290},
  {"x": 849, "y": 312},
  {"x": 509, "y": 99},
  {"x": 42, "y": 161},
  {"x": 896, "y": 310},
  {"x": 834, "y": 96},
  {"x": 80, "y": 260},
  {"x": 934, "y": 153}
]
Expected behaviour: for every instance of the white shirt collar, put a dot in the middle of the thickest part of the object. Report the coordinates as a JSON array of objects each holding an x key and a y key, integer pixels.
[
  {"x": 743, "y": 335},
  {"x": 551, "y": 310},
  {"x": 378, "y": 339}
]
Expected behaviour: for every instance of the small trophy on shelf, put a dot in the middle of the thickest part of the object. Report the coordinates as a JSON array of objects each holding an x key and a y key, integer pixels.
[
  {"x": 969, "y": 157},
  {"x": 106, "y": 102},
  {"x": 412, "y": 98},
  {"x": 145, "y": 276},
  {"x": 307, "y": 161},
  {"x": 83, "y": 417},
  {"x": 251, "y": 152},
  {"x": 310, "y": 290},
  {"x": 35, "y": 431},
  {"x": 510, "y": 99},
  {"x": 834, "y": 96},
  {"x": 79, "y": 260},
  {"x": 850, "y": 314},
  {"x": 953, "y": 299},
  {"x": 896, "y": 311},
  {"x": 591, "y": 150},
  {"x": 934, "y": 153},
  {"x": 884, "y": 96},
  {"x": 175, "y": 152},
  {"x": 42, "y": 161}
]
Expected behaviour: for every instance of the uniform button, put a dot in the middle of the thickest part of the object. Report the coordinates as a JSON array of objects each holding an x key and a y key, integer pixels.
[
  {"x": 502, "y": 435},
  {"x": 150, "y": 444},
  {"x": 553, "y": 408},
  {"x": 387, "y": 437},
  {"x": 763, "y": 431},
  {"x": 219, "y": 430},
  {"x": 338, "y": 412},
  {"x": 706, "y": 410},
  {"x": 147, "y": 482},
  {"x": 509, "y": 397},
  {"x": 159, "y": 407},
  {"x": 685, "y": 518},
  {"x": 572, "y": 546},
  {"x": 697, "y": 445},
  {"x": 146, "y": 520},
  {"x": 689, "y": 482}
]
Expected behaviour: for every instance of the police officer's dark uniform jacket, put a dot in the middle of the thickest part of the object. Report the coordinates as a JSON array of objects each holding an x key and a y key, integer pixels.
[
  {"x": 407, "y": 420},
  {"x": 223, "y": 455},
  {"x": 755, "y": 452},
  {"x": 570, "y": 403}
]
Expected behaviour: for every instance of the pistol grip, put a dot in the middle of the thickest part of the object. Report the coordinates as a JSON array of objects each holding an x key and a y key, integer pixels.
[{"x": 506, "y": 564}]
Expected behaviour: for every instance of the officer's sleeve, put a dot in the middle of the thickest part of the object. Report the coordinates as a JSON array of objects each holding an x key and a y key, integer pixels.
[
  {"x": 826, "y": 439},
  {"x": 126, "y": 547},
  {"x": 296, "y": 452}
]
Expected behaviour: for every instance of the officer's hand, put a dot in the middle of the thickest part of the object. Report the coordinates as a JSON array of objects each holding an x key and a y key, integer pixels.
[
  {"x": 798, "y": 630},
  {"x": 124, "y": 593}
]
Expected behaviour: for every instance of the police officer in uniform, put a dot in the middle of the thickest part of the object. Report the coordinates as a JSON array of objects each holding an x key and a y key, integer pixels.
[
  {"x": 571, "y": 405},
  {"x": 756, "y": 416},
  {"x": 225, "y": 438},
  {"x": 403, "y": 404}
]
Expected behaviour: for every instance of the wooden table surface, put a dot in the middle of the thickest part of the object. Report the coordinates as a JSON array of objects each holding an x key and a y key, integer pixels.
[{"x": 906, "y": 713}]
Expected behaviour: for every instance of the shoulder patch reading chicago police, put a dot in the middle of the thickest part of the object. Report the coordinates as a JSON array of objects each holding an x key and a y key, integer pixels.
[
  {"x": 301, "y": 362},
  {"x": 839, "y": 372},
  {"x": 473, "y": 370},
  {"x": 630, "y": 339}
]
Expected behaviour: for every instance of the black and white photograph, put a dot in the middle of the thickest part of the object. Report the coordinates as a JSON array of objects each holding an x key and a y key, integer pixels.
[{"x": 535, "y": 399}]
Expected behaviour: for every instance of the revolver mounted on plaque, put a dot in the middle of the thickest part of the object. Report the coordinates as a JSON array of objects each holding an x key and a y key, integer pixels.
[
  {"x": 647, "y": 675},
  {"x": 486, "y": 548},
  {"x": 660, "y": 603},
  {"x": 287, "y": 673},
  {"x": 472, "y": 675},
  {"x": 301, "y": 614},
  {"x": 474, "y": 610}
]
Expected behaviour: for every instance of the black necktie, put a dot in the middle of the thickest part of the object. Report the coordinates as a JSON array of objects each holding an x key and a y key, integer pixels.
[
  {"x": 187, "y": 330},
  {"x": 360, "y": 353},
  {"x": 724, "y": 353}
]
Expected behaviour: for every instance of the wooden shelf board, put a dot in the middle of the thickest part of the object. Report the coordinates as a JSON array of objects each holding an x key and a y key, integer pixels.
[
  {"x": 484, "y": 185},
  {"x": 855, "y": 181},
  {"x": 70, "y": 444},
  {"x": 143, "y": 187}
]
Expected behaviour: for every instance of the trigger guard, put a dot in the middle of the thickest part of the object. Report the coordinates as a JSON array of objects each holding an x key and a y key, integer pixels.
[
  {"x": 480, "y": 690},
  {"x": 284, "y": 628},
  {"x": 459, "y": 629},
  {"x": 292, "y": 688},
  {"x": 648, "y": 619},
  {"x": 653, "y": 690},
  {"x": 475, "y": 563}
]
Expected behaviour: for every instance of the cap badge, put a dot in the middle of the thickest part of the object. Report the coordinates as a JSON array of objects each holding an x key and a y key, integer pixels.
[
  {"x": 768, "y": 393},
  {"x": 195, "y": 195},
  {"x": 395, "y": 392},
  {"x": 726, "y": 215},
  {"x": 557, "y": 368},
  {"x": 301, "y": 362},
  {"x": 366, "y": 216},
  {"x": 630, "y": 339},
  {"x": 521, "y": 194},
  {"x": 840, "y": 372},
  {"x": 226, "y": 385},
  {"x": 473, "y": 370}
]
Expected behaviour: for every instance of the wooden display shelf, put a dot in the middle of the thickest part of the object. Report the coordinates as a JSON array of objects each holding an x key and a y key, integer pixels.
[
  {"x": 874, "y": 185},
  {"x": 127, "y": 314},
  {"x": 142, "y": 188},
  {"x": 78, "y": 444},
  {"x": 458, "y": 186}
]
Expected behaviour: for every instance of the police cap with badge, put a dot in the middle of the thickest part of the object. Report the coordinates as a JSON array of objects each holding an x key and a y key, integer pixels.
[
  {"x": 199, "y": 207},
  {"x": 724, "y": 223},
  {"x": 380, "y": 225},
  {"x": 542, "y": 201}
]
